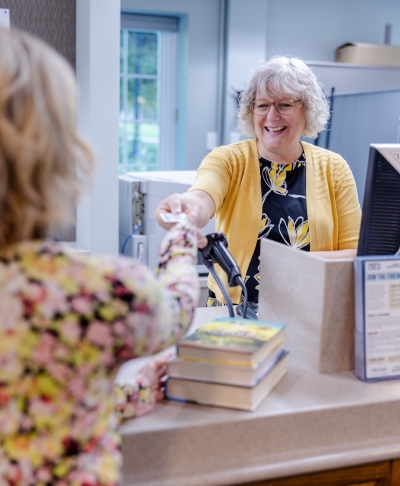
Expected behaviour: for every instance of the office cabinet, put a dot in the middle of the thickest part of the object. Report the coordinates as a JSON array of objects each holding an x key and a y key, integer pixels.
[{"x": 385, "y": 473}]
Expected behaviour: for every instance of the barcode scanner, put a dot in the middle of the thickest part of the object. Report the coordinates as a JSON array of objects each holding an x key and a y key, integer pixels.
[{"x": 216, "y": 251}]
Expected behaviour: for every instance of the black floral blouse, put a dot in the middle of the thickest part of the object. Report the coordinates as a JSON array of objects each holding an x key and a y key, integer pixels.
[
  {"x": 284, "y": 216},
  {"x": 284, "y": 213}
]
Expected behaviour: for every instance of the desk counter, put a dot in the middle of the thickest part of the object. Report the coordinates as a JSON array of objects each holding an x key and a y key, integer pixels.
[{"x": 310, "y": 422}]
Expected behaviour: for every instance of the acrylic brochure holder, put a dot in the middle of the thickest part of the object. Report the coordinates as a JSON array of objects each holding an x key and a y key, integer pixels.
[
  {"x": 315, "y": 298},
  {"x": 377, "y": 331}
]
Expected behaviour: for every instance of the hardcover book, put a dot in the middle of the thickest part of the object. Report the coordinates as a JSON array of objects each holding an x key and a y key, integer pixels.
[
  {"x": 223, "y": 395},
  {"x": 233, "y": 341},
  {"x": 223, "y": 373}
]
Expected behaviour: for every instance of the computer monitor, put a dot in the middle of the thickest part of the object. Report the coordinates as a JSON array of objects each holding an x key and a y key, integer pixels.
[{"x": 380, "y": 223}]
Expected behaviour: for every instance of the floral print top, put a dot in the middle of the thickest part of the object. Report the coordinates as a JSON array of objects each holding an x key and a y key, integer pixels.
[
  {"x": 284, "y": 216},
  {"x": 66, "y": 325},
  {"x": 284, "y": 213}
]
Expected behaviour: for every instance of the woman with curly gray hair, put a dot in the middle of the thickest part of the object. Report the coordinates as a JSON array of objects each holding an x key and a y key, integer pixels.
[
  {"x": 285, "y": 77},
  {"x": 274, "y": 185}
]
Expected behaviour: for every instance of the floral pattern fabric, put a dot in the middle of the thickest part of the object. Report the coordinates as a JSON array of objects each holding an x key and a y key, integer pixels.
[
  {"x": 66, "y": 325},
  {"x": 284, "y": 218}
]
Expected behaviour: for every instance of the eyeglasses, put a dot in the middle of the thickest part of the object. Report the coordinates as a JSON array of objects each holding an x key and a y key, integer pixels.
[{"x": 285, "y": 107}]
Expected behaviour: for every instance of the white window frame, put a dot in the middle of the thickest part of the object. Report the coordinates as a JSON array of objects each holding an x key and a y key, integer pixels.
[{"x": 166, "y": 28}]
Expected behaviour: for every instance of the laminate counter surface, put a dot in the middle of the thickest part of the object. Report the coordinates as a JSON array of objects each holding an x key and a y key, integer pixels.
[{"x": 310, "y": 422}]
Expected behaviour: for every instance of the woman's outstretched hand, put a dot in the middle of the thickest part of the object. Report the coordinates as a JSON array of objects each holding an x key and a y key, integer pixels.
[
  {"x": 156, "y": 371},
  {"x": 174, "y": 204},
  {"x": 184, "y": 203}
]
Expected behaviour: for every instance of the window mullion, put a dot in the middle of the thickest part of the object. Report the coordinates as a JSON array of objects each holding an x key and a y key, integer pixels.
[
  {"x": 125, "y": 85},
  {"x": 167, "y": 83}
]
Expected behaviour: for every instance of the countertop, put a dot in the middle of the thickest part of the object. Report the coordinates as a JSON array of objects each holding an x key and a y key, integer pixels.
[{"x": 310, "y": 422}]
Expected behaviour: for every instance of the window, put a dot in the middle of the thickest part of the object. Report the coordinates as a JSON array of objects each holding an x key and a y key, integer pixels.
[{"x": 147, "y": 93}]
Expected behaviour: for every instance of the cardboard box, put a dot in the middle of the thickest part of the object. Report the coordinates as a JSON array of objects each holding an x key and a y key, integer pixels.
[
  {"x": 315, "y": 298},
  {"x": 368, "y": 54}
]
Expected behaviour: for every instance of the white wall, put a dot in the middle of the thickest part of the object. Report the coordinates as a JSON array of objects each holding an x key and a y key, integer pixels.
[
  {"x": 97, "y": 70},
  {"x": 313, "y": 29},
  {"x": 198, "y": 71},
  {"x": 246, "y": 46},
  {"x": 310, "y": 29}
]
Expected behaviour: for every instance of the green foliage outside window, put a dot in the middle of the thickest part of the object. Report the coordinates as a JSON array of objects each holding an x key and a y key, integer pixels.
[{"x": 139, "y": 113}]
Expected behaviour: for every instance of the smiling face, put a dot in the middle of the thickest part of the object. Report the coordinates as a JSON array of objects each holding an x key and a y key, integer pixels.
[{"x": 278, "y": 135}]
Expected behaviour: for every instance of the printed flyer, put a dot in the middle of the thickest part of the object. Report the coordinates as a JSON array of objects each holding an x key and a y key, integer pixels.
[{"x": 382, "y": 318}]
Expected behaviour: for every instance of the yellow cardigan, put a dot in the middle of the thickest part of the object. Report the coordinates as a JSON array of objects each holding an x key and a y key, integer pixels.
[{"x": 231, "y": 176}]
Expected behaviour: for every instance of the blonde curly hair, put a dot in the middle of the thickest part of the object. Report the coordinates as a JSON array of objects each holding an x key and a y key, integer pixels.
[
  {"x": 43, "y": 160},
  {"x": 283, "y": 76}
]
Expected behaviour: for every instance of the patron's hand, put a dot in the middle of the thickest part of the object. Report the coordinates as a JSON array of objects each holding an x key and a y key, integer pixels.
[{"x": 155, "y": 371}]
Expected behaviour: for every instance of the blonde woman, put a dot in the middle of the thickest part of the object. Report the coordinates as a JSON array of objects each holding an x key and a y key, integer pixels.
[{"x": 67, "y": 323}]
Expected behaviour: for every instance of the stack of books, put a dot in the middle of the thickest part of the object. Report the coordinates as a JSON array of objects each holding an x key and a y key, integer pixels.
[{"x": 230, "y": 362}]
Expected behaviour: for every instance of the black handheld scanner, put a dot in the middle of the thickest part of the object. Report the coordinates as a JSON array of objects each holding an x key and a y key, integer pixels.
[{"x": 217, "y": 252}]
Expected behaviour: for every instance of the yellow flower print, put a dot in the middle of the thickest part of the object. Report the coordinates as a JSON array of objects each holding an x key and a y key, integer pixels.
[
  {"x": 61, "y": 469},
  {"x": 50, "y": 414},
  {"x": 257, "y": 277},
  {"x": 85, "y": 353},
  {"x": 46, "y": 386},
  {"x": 22, "y": 448},
  {"x": 266, "y": 227},
  {"x": 275, "y": 179},
  {"x": 68, "y": 284},
  {"x": 213, "y": 302},
  {"x": 297, "y": 234},
  {"x": 107, "y": 313}
]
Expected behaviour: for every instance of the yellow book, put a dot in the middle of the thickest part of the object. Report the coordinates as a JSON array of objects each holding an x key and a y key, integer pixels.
[{"x": 234, "y": 341}]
